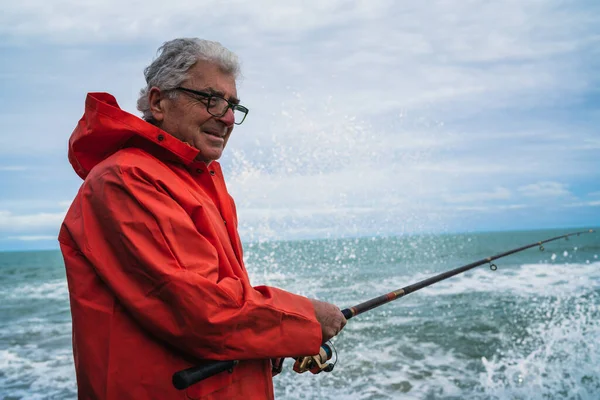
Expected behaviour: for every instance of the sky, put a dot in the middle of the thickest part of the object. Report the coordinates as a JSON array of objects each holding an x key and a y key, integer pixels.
[{"x": 366, "y": 117}]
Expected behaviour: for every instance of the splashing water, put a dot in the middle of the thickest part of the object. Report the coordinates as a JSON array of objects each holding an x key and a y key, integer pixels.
[{"x": 557, "y": 357}]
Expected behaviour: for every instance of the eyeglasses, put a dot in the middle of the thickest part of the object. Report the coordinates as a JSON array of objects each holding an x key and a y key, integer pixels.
[{"x": 217, "y": 106}]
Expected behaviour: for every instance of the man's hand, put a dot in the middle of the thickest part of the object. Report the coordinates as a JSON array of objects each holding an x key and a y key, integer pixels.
[{"x": 330, "y": 317}]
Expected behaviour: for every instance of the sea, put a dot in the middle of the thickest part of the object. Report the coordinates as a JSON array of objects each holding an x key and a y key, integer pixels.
[{"x": 528, "y": 330}]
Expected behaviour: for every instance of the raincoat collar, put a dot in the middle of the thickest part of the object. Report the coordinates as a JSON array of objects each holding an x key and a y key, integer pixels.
[{"x": 105, "y": 128}]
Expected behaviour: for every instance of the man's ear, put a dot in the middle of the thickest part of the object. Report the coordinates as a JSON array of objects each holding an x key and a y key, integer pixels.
[{"x": 157, "y": 106}]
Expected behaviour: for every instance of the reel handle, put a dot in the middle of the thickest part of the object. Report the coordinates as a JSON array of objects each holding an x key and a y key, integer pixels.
[{"x": 316, "y": 363}]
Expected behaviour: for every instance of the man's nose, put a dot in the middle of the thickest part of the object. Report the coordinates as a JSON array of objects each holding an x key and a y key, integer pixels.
[{"x": 228, "y": 118}]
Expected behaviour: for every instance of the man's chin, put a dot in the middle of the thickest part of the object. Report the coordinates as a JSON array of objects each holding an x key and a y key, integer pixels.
[{"x": 208, "y": 157}]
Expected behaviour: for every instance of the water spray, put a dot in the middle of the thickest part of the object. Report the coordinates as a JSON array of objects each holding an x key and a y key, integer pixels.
[{"x": 319, "y": 362}]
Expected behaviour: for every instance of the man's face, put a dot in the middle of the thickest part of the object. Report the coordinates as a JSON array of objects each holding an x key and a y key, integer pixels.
[{"x": 186, "y": 116}]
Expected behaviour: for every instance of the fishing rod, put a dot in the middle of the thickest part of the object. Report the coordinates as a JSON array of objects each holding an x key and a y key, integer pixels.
[{"x": 318, "y": 363}]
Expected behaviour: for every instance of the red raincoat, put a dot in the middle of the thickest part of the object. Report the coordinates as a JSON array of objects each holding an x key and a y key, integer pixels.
[{"x": 155, "y": 270}]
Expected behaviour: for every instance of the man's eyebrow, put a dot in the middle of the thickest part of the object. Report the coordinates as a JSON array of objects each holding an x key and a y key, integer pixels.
[{"x": 231, "y": 99}]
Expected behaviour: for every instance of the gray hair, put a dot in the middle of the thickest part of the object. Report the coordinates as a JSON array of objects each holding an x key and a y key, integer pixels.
[{"x": 174, "y": 60}]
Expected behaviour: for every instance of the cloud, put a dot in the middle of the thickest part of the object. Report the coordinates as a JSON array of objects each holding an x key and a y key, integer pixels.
[
  {"x": 100, "y": 21},
  {"x": 491, "y": 49},
  {"x": 588, "y": 143},
  {"x": 490, "y": 208},
  {"x": 65, "y": 204},
  {"x": 36, "y": 222},
  {"x": 499, "y": 193},
  {"x": 545, "y": 189},
  {"x": 363, "y": 115},
  {"x": 33, "y": 238},
  {"x": 13, "y": 168},
  {"x": 595, "y": 203}
]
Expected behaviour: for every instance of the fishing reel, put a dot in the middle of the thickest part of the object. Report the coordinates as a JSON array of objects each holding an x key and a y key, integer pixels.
[{"x": 317, "y": 363}]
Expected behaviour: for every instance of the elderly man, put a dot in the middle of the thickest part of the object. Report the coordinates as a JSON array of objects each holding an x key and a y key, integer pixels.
[{"x": 153, "y": 258}]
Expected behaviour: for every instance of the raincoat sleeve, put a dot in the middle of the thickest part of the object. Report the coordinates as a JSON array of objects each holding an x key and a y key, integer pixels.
[{"x": 148, "y": 251}]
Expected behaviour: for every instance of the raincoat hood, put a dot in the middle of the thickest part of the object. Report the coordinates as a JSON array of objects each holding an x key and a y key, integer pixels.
[{"x": 105, "y": 128}]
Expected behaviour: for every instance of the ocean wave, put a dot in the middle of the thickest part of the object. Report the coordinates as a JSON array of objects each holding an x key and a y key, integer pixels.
[
  {"x": 51, "y": 290},
  {"x": 38, "y": 329},
  {"x": 32, "y": 374},
  {"x": 523, "y": 280}
]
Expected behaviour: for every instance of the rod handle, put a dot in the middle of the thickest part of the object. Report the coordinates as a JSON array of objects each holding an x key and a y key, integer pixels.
[
  {"x": 187, "y": 377},
  {"x": 347, "y": 313}
]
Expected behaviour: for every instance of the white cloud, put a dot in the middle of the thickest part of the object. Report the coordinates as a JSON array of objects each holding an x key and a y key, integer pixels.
[
  {"x": 588, "y": 143},
  {"x": 33, "y": 238},
  {"x": 37, "y": 222},
  {"x": 491, "y": 208},
  {"x": 545, "y": 189},
  {"x": 65, "y": 204},
  {"x": 416, "y": 109},
  {"x": 13, "y": 168},
  {"x": 499, "y": 193},
  {"x": 431, "y": 52},
  {"x": 30, "y": 205},
  {"x": 595, "y": 203},
  {"x": 111, "y": 19}
]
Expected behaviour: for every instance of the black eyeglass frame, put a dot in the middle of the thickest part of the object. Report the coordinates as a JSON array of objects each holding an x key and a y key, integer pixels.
[{"x": 209, "y": 97}]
